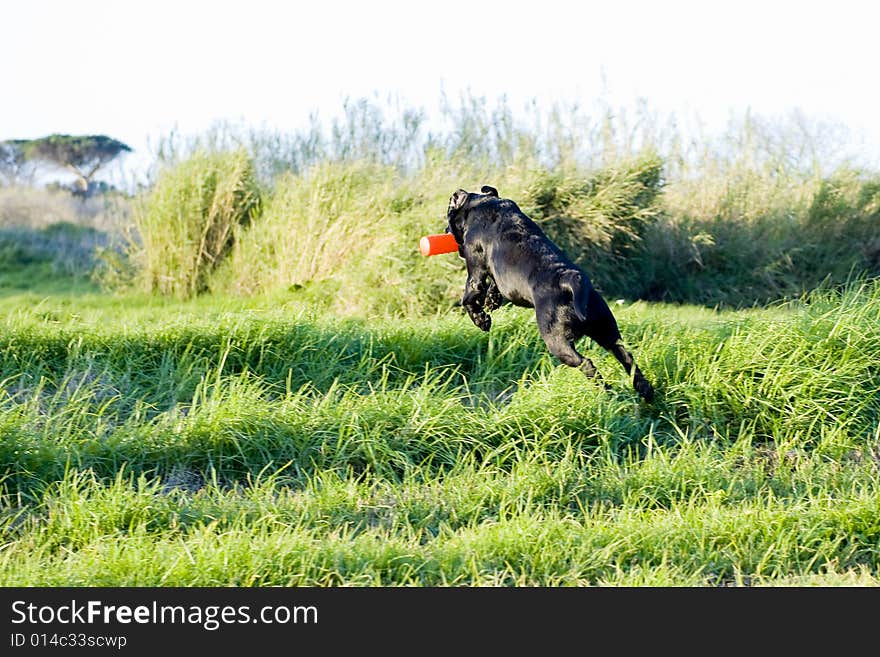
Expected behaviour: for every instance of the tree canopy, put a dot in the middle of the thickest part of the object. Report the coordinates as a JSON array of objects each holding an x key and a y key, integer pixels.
[{"x": 82, "y": 155}]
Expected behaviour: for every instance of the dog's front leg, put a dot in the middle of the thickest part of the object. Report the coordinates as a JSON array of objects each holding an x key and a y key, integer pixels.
[
  {"x": 474, "y": 299},
  {"x": 493, "y": 298}
]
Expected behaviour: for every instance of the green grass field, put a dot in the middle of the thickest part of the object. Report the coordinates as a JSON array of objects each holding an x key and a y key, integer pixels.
[
  {"x": 223, "y": 441},
  {"x": 245, "y": 374}
]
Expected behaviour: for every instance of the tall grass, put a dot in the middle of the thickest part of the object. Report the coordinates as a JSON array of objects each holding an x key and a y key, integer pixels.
[
  {"x": 766, "y": 211},
  {"x": 36, "y": 209},
  {"x": 189, "y": 219},
  {"x": 316, "y": 225}
]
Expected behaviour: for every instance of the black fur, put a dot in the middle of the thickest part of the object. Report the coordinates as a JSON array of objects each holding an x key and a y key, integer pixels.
[{"x": 509, "y": 257}]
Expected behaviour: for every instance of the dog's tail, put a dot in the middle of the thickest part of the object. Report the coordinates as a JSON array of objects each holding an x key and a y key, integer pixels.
[{"x": 574, "y": 282}]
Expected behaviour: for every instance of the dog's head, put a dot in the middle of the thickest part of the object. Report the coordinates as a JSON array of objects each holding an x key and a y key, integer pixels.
[{"x": 460, "y": 205}]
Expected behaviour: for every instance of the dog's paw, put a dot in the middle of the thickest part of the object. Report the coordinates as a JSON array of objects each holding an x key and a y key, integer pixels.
[
  {"x": 644, "y": 389},
  {"x": 493, "y": 299},
  {"x": 483, "y": 321},
  {"x": 480, "y": 319},
  {"x": 478, "y": 316}
]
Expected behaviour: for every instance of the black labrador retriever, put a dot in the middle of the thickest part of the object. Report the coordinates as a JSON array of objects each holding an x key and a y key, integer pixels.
[{"x": 508, "y": 256}]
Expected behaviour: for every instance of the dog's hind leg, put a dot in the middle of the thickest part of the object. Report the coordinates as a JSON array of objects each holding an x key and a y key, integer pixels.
[
  {"x": 562, "y": 346},
  {"x": 640, "y": 383},
  {"x": 565, "y": 351}
]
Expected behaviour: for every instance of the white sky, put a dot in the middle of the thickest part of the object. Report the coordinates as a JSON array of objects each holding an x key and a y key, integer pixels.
[{"x": 134, "y": 70}]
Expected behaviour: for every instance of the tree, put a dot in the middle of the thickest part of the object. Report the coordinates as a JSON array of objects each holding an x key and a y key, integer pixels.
[
  {"x": 14, "y": 166},
  {"x": 82, "y": 155}
]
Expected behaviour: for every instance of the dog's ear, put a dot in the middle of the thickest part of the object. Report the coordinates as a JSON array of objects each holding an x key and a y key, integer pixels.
[
  {"x": 456, "y": 216},
  {"x": 457, "y": 201},
  {"x": 491, "y": 191}
]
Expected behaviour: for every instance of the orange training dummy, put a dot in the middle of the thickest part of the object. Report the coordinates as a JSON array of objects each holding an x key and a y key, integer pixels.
[{"x": 434, "y": 244}]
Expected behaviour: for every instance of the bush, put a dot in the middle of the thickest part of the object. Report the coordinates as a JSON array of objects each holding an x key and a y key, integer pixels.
[
  {"x": 600, "y": 218},
  {"x": 764, "y": 212},
  {"x": 188, "y": 222},
  {"x": 767, "y": 238},
  {"x": 344, "y": 235}
]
